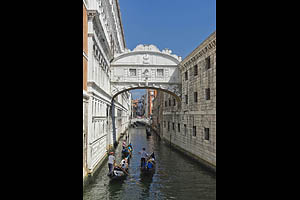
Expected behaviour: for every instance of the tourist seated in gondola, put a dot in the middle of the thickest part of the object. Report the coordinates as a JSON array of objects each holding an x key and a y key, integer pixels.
[
  {"x": 151, "y": 161},
  {"x": 129, "y": 147},
  {"x": 124, "y": 164},
  {"x": 124, "y": 144}
]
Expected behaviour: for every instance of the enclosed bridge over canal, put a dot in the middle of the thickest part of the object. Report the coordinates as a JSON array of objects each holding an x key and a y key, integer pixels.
[{"x": 145, "y": 67}]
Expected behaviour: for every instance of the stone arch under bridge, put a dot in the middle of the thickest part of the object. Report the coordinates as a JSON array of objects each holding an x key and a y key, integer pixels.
[{"x": 146, "y": 67}]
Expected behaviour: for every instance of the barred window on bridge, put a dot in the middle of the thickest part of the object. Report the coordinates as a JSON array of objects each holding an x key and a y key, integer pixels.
[
  {"x": 160, "y": 72},
  {"x": 132, "y": 72}
]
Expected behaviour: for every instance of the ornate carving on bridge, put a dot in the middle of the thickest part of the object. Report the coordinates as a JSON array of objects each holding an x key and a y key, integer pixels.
[{"x": 146, "y": 59}]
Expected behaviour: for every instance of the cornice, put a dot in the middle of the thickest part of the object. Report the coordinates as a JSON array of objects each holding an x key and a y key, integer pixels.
[
  {"x": 85, "y": 95},
  {"x": 203, "y": 48},
  {"x": 121, "y": 24},
  {"x": 165, "y": 55}
]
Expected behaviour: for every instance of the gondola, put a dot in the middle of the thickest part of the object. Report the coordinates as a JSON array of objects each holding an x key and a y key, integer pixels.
[
  {"x": 149, "y": 167},
  {"x": 118, "y": 173},
  {"x": 148, "y": 132}
]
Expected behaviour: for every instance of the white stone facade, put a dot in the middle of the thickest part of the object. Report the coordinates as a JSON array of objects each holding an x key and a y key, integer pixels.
[
  {"x": 105, "y": 39},
  {"x": 146, "y": 67}
]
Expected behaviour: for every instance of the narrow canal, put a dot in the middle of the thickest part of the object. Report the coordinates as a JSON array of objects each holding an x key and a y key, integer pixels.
[{"x": 176, "y": 176}]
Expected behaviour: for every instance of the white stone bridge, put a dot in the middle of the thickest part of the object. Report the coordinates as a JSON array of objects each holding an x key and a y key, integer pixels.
[
  {"x": 146, "y": 67},
  {"x": 143, "y": 120}
]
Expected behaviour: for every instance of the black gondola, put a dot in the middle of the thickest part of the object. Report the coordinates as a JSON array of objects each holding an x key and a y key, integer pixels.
[
  {"x": 149, "y": 165},
  {"x": 118, "y": 173},
  {"x": 148, "y": 132}
]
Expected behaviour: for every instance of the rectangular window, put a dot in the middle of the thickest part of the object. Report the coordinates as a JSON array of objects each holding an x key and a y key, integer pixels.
[
  {"x": 164, "y": 124},
  {"x": 195, "y": 70},
  {"x": 169, "y": 102},
  {"x": 168, "y": 126},
  {"x": 178, "y": 127},
  {"x": 194, "y": 131},
  {"x": 160, "y": 73},
  {"x": 195, "y": 97},
  {"x": 174, "y": 102},
  {"x": 186, "y": 75},
  {"x": 186, "y": 99},
  {"x": 207, "y": 63},
  {"x": 185, "y": 129},
  {"x": 207, "y": 93},
  {"x": 173, "y": 126},
  {"x": 132, "y": 72},
  {"x": 166, "y": 104},
  {"x": 206, "y": 133}
]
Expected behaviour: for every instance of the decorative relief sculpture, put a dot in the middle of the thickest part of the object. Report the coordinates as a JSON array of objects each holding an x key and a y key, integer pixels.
[
  {"x": 146, "y": 59},
  {"x": 146, "y": 73}
]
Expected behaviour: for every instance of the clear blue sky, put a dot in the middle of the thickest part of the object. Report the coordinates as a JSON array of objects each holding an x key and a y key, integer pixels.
[{"x": 180, "y": 25}]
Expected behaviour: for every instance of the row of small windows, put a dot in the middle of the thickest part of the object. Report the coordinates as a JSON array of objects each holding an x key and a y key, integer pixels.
[
  {"x": 206, "y": 130},
  {"x": 159, "y": 72},
  {"x": 170, "y": 103},
  {"x": 207, "y": 66}
]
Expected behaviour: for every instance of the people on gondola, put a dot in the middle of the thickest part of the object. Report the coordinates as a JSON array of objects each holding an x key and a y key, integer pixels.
[
  {"x": 124, "y": 164},
  {"x": 124, "y": 144},
  {"x": 129, "y": 147},
  {"x": 151, "y": 161},
  {"x": 144, "y": 155}
]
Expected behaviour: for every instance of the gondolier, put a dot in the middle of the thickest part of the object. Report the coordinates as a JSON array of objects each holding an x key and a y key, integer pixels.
[
  {"x": 144, "y": 155},
  {"x": 111, "y": 162}
]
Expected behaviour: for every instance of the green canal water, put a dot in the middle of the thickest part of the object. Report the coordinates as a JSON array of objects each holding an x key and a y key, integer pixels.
[{"x": 176, "y": 176}]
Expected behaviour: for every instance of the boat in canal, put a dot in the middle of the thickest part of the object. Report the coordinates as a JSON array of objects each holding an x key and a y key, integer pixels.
[
  {"x": 149, "y": 167},
  {"x": 118, "y": 173},
  {"x": 148, "y": 132}
]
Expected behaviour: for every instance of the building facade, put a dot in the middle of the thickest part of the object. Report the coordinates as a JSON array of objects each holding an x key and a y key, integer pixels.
[
  {"x": 190, "y": 125},
  {"x": 103, "y": 39},
  {"x": 134, "y": 104},
  {"x": 157, "y": 113},
  {"x": 151, "y": 94},
  {"x": 85, "y": 94}
]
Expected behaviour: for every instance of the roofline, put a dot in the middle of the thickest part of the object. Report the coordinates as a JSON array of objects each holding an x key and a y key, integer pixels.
[
  {"x": 197, "y": 48},
  {"x": 148, "y": 52},
  {"x": 121, "y": 24}
]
